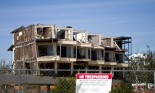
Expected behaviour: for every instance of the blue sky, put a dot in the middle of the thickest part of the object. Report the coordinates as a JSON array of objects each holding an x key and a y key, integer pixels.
[{"x": 134, "y": 18}]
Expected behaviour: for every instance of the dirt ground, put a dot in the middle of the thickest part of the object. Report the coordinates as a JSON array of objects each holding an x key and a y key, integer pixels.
[{"x": 146, "y": 91}]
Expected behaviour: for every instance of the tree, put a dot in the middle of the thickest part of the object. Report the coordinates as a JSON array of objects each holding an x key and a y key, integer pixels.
[
  {"x": 65, "y": 85},
  {"x": 136, "y": 64},
  {"x": 150, "y": 59},
  {"x": 150, "y": 64},
  {"x": 5, "y": 67},
  {"x": 140, "y": 64},
  {"x": 122, "y": 88}
]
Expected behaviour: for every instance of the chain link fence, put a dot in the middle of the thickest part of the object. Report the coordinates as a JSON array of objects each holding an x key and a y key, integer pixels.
[{"x": 64, "y": 80}]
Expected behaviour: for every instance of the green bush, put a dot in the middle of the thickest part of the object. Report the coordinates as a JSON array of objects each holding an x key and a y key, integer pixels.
[
  {"x": 65, "y": 85},
  {"x": 122, "y": 88},
  {"x": 68, "y": 85}
]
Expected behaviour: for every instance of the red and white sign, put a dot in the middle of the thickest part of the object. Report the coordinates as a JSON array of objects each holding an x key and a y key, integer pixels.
[{"x": 93, "y": 83}]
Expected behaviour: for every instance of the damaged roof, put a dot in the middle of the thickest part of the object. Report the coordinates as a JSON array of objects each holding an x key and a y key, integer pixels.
[{"x": 16, "y": 30}]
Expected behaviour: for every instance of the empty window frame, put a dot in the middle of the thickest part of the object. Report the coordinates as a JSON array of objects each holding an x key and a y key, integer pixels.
[
  {"x": 65, "y": 51},
  {"x": 119, "y": 57},
  {"x": 61, "y": 34},
  {"x": 45, "y": 32},
  {"x": 94, "y": 55},
  {"x": 81, "y": 53},
  {"x": 45, "y": 50},
  {"x": 109, "y": 56}
]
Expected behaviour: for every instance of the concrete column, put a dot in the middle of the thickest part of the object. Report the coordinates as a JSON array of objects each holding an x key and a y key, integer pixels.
[
  {"x": 112, "y": 42},
  {"x": 123, "y": 72},
  {"x": 90, "y": 53},
  {"x": 37, "y": 67},
  {"x": 6, "y": 88},
  {"x": 23, "y": 58},
  {"x": 86, "y": 68},
  {"x": 76, "y": 52},
  {"x": 112, "y": 68},
  {"x": 60, "y": 50},
  {"x": 104, "y": 55},
  {"x": 72, "y": 68},
  {"x": 86, "y": 53},
  {"x": 56, "y": 67},
  {"x": 54, "y": 49},
  {"x": 72, "y": 50},
  {"x": 100, "y": 68},
  {"x": 99, "y": 54}
]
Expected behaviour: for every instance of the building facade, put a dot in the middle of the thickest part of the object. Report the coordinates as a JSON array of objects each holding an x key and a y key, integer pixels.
[{"x": 51, "y": 47}]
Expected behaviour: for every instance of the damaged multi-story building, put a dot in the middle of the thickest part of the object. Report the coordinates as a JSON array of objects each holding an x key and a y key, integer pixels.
[{"x": 51, "y": 47}]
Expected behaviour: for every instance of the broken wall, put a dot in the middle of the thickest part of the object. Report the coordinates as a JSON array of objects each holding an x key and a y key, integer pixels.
[
  {"x": 29, "y": 52},
  {"x": 65, "y": 33},
  {"x": 24, "y": 34},
  {"x": 25, "y": 52},
  {"x": 94, "y": 39},
  {"x": 107, "y": 42},
  {"x": 45, "y": 31},
  {"x": 81, "y": 37}
]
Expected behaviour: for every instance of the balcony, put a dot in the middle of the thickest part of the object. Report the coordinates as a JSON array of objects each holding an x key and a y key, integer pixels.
[{"x": 67, "y": 42}]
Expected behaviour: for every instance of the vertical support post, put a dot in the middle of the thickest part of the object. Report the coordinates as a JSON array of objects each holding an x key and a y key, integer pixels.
[
  {"x": 36, "y": 55},
  {"x": 6, "y": 88},
  {"x": 86, "y": 53},
  {"x": 112, "y": 68},
  {"x": 100, "y": 68},
  {"x": 123, "y": 72},
  {"x": 112, "y": 44},
  {"x": 24, "y": 88},
  {"x": 60, "y": 49},
  {"x": 56, "y": 66},
  {"x": 48, "y": 89},
  {"x": 23, "y": 47},
  {"x": 99, "y": 54},
  {"x": 19, "y": 81},
  {"x": 76, "y": 52},
  {"x": 72, "y": 51},
  {"x": 90, "y": 53},
  {"x": 37, "y": 68},
  {"x": 104, "y": 55},
  {"x": 86, "y": 68},
  {"x": 38, "y": 88},
  {"x": 54, "y": 49},
  {"x": 72, "y": 68}
]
